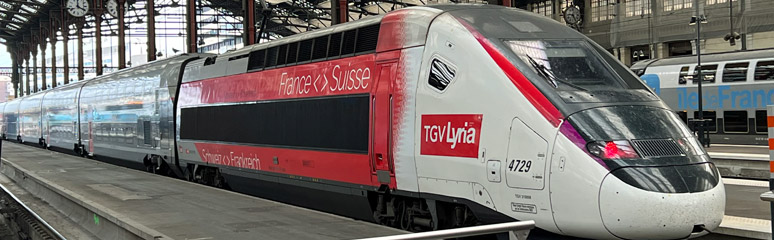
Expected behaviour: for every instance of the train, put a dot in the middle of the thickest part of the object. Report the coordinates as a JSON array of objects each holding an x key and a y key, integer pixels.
[
  {"x": 423, "y": 118},
  {"x": 736, "y": 89}
]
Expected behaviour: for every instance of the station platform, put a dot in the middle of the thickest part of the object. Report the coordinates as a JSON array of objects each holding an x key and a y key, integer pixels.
[
  {"x": 113, "y": 202},
  {"x": 741, "y": 161}
]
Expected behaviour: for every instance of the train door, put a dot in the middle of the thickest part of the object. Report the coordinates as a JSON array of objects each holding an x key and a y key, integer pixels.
[{"x": 381, "y": 129}]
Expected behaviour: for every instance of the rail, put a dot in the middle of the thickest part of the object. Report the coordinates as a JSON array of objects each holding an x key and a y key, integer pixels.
[
  {"x": 26, "y": 221},
  {"x": 518, "y": 230}
]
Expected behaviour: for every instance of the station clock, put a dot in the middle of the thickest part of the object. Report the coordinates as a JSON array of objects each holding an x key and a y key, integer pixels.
[
  {"x": 112, "y": 8},
  {"x": 77, "y": 8}
]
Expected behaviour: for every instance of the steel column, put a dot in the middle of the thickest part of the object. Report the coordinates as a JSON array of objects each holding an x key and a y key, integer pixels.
[
  {"x": 43, "y": 47},
  {"x": 97, "y": 10},
  {"x": 121, "y": 35},
  {"x": 79, "y": 27},
  {"x": 339, "y": 11},
  {"x": 15, "y": 70},
  {"x": 190, "y": 26},
  {"x": 248, "y": 22},
  {"x": 52, "y": 37},
  {"x": 27, "y": 73},
  {"x": 150, "y": 7},
  {"x": 65, "y": 51},
  {"x": 34, "y": 69}
]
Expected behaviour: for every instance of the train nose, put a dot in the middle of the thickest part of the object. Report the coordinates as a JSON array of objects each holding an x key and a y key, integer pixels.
[{"x": 666, "y": 202}]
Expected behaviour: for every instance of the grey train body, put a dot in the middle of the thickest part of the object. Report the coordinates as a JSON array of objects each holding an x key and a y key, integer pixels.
[
  {"x": 737, "y": 88},
  {"x": 128, "y": 115}
]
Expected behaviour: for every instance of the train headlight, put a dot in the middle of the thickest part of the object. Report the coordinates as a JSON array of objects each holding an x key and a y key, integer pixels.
[
  {"x": 612, "y": 150},
  {"x": 691, "y": 146}
]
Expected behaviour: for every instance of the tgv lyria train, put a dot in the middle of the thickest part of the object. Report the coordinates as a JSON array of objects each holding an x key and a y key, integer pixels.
[
  {"x": 423, "y": 118},
  {"x": 736, "y": 89}
]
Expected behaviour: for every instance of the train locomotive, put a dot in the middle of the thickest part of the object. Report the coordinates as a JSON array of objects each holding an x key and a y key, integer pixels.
[{"x": 423, "y": 118}]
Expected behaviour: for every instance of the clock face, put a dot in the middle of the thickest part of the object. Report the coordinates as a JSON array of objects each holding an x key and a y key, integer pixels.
[
  {"x": 572, "y": 15},
  {"x": 112, "y": 8},
  {"x": 77, "y": 8}
]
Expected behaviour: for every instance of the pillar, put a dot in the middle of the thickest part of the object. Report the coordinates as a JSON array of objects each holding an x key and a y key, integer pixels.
[
  {"x": 15, "y": 70},
  {"x": 98, "y": 36},
  {"x": 43, "y": 43},
  {"x": 34, "y": 69},
  {"x": 150, "y": 7},
  {"x": 248, "y": 22},
  {"x": 121, "y": 35},
  {"x": 65, "y": 52},
  {"x": 190, "y": 26},
  {"x": 27, "y": 73},
  {"x": 80, "y": 50},
  {"x": 53, "y": 58}
]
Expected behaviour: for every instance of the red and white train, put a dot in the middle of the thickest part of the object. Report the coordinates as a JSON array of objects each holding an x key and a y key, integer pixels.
[{"x": 423, "y": 118}]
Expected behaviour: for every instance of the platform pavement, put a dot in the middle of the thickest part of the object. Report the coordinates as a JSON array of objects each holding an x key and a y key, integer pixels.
[{"x": 147, "y": 206}]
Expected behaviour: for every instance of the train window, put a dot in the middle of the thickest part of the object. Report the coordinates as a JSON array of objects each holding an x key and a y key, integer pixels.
[
  {"x": 305, "y": 50},
  {"x": 708, "y": 72},
  {"x": 570, "y": 65},
  {"x": 271, "y": 57},
  {"x": 282, "y": 55},
  {"x": 146, "y": 132},
  {"x": 764, "y": 70},
  {"x": 320, "y": 47},
  {"x": 257, "y": 59},
  {"x": 735, "y": 72},
  {"x": 441, "y": 75},
  {"x": 761, "y": 123},
  {"x": 335, "y": 47},
  {"x": 366, "y": 38},
  {"x": 348, "y": 45},
  {"x": 735, "y": 121},
  {"x": 684, "y": 75},
  {"x": 712, "y": 124},
  {"x": 683, "y": 116},
  {"x": 292, "y": 52},
  {"x": 298, "y": 123}
]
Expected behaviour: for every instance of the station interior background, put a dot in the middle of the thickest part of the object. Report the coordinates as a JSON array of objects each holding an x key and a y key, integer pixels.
[{"x": 632, "y": 30}]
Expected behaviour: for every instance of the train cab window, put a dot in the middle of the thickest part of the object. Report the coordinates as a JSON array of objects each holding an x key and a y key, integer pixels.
[
  {"x": 685, "y": 75},
  {"x": 735, "y": 121},
  {"x": 441, "y": 75},
  {"x": 735, "y": 72},
  {"x": 761, "y": 123},
  {"x": 712, "y": 124},
  {"x": 708, "y": 71},
  {"x": 764, "y": 70},
  {"x": 571, "y": 65}
]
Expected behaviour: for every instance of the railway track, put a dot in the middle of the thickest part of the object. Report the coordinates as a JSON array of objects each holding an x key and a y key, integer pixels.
[{"x": 21, "y": 222}]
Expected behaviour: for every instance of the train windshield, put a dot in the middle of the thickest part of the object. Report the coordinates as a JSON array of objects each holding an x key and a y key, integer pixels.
[{"x": 568, "y": 65}]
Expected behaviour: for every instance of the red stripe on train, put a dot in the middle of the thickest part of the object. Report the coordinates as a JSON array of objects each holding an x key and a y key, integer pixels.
[
  {"x": 538, "y": 100},
  {"x": 341, "y": 167}
]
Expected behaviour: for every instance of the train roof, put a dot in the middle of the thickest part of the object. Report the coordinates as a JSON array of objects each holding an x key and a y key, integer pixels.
[
  {"x": 713, "y": 57},
  {"x": 491, "y": 25}
]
